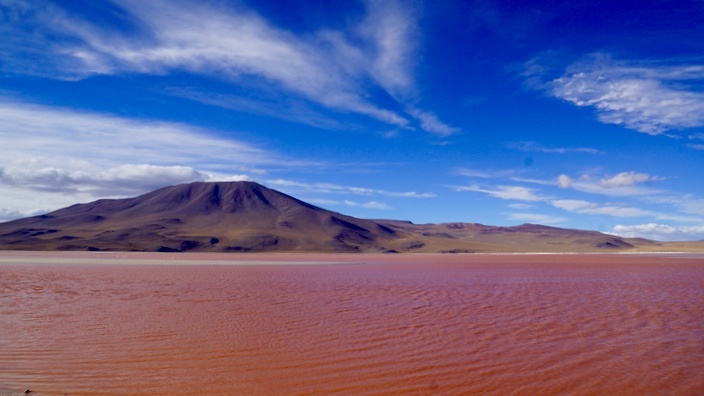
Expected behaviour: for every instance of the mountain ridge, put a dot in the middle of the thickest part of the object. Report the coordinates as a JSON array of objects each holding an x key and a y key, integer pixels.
[{"x": 249, "y": 217}]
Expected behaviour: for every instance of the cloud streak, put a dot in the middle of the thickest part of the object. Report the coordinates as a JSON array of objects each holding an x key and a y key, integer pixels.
[
  {"x": 517, "y": 193},
  {"x": 368, "y": 205},
  {"x": 535, "y": 218},
  {"x": 62, "y": 156},
  {"x": 330, "y": 68},
  {"x": 65, "y": 136},
  {"x": 122, "y": 180},
  {"x": 696, "y": 146},
  {"x": 648, "y": 97},
  {"x": 329, "y": 188},
  {"x": 660, "y": 232},
  {"x": 585, "y": 207},
  {"x": 623, "y": 184},
  {"x": 535, "y": 147},
  {"x": 625, "y": 179}
]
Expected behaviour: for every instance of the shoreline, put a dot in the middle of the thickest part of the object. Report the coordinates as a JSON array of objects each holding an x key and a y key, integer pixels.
[{"x": 18, "y": 257}]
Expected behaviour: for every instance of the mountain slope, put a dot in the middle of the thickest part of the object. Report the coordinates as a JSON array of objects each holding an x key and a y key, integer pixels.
[
  {"x": 472, "y": 237},
  {"x": 246, "y": 216},
  {"x": 237, "y": 216}
]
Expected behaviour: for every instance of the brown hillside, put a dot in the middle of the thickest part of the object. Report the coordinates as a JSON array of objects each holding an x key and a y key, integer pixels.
[{"x": 246, "y": 216}]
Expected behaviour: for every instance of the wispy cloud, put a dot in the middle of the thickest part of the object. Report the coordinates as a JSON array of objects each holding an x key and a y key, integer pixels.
[
  {"x": 688, "y": 209},
  {"x": 290, "y": 110},
  {"x": 430, "y": 122},
  {"x": 333, "y": 69},
  {"x": 585, "y": 207},
  {"x": 392, "y": 31},
  {"x": 518, "y": 193},
  {"x": 690, "y": 205},
  {"x": 474, "y": 173},
  {"x": 649, "y": 97},
  {"x": 620, "y": 185},
  {"x": 660, "y": 232},
  {"x": 535, "y": 147},
  {"x": 696, "y": 146},
  {"x": 66, "y": 136},
  {"x": 625, "y": 179},
  {"x": 86, "y": 155},
  {"x": 485, "y": 174},
  {"x": 521, "y": 206},
  {"x": 392, "y": 28},
  {"x": 118, "y": 181},
  {"x": 354, "y": 204},
  {"x": 330, "y": 188},
  {"x": 533, "y": 181},
  {"x": 368, "y": 205},
  {"x": 535, "y": 218}
]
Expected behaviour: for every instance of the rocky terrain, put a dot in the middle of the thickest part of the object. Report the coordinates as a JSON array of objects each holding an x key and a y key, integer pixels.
[{"x": 248, "y": 217}]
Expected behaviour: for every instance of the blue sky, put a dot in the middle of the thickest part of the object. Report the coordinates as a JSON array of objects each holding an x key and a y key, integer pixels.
[{"x": 584, "y": 115}]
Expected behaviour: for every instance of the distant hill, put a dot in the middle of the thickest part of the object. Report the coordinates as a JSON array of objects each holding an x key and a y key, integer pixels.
[{"x": 248, "y": 217}]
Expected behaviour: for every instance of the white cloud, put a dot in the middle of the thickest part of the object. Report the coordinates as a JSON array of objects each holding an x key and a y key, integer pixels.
[
  {"x": 646, "y": 97},
  {"x": 288, "y": 109},
  {"x": 119, "y": 181},
  {"x": 564, "y": 181},
  {"x": 586, "y": 207},
  {"x": 407, "y": 194},
  {"x": 485, "y": 174},
  {"x": 71, "y": 137},
  {"x": 625, "y": 179},
  {"x": 690, "y": 205},
  {"x": 533, "y": 181},
  {"x": 660, "y": 232},
  {"x": 623, "y": 184},
  {"x": 518, "y": 193},
  {"x": 692, "y": 208},
  {"x": 393, "y": 31},
  {"x": 329, "y": 188},
  {"x": 624, "y": 191},
  {"x": 430, "y": 122},
  {"x": 521, "y": 206},
  {"x": 368, "y": 205},
  {"x": 535, "y": 218},
  {"x": 51, "y": 157},
  {"x": 532, "y": 146},
  {"x": 228, "y": 178},
  {"x": 473, "y": 173},
  {"x": 571, "y": 205},
  {"x": 235, "y": 44}
]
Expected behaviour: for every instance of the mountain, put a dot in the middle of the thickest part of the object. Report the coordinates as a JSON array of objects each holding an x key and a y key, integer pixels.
[
  {"x": 246, "y": 216},
  {"x": 235, "y": 216}
]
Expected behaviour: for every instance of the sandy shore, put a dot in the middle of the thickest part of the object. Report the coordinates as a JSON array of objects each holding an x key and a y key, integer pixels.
[{"x": 154, "y": 258}]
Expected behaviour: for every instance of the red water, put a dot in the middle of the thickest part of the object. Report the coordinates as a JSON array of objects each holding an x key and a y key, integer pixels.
[{"x": 543, "y": 325}]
